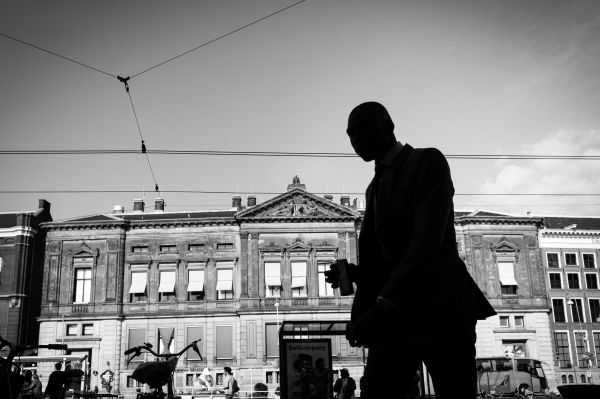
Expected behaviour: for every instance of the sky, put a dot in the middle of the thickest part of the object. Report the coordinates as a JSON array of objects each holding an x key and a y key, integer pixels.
[{"x": 465, "y": 76}]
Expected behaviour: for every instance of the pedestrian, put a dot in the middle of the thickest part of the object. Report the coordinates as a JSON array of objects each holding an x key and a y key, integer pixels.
[
  {"x": 230, "y": 385},
  {"x": 411, "y": 282},
  {"x": 37, "y": 385},
  {"x": 27, "y": 388},
  {"x": 55, "y": 383},
  {"x": 344, "y": 386},
  {"x": 260, "y": 391}
]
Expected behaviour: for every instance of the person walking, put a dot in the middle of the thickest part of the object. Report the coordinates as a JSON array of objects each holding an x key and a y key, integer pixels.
[
  {"x": 344, "y": 386},
  {"x": 230, "y": 385},
  {"x": 414, "y": 294}
]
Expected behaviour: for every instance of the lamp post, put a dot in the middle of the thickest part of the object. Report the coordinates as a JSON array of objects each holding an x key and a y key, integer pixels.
[{"x": 277, "y": 315}]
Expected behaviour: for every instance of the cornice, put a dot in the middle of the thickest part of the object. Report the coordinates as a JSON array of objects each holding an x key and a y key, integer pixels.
[
  {"x": 151, "y": 224},
  {"x": 466, "y": 220},
  {"x": 569, "y": 233},
  {"x": 99, "y": 225},
  {"x": 295, "y": 219}
]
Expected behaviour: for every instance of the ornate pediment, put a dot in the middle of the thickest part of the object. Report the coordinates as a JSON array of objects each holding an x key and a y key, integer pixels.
[
  {"x": 84, "y": 250},
  {"x": 504, "y": 246},
  {"x": 297, "y": 204}
]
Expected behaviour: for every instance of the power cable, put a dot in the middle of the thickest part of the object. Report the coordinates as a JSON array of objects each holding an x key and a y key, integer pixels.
[
  {"x": 217, "y": 38},
  {"x": 143, "y": 149},
  {"x": 288, "y": 154},
  {"x": 279, "y": 192},
  {"x": 57, "y": 55}
]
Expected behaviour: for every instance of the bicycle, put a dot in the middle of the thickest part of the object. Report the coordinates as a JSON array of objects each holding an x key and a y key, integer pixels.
[
  {"x": 11, "y": 381},
  {"x": 157, "y": 373}
]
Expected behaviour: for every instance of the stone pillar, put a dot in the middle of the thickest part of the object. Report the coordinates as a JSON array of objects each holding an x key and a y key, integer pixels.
[
  {"x": 244, "y": 265},
  {"x": 352, "y": 248},
  {"x": 341, "y": 246},
  {"x": 253, "y": 267}
]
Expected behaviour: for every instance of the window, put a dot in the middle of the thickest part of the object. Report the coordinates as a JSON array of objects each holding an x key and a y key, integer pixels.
[
  {"x": 87, "y": 329},
  {"x": 197, "y": 247},
  {"x": 514, "y": 348},
  {"x": 573, "y": 280},
  {"x": 272, "y": 377},
  {"x": 588, "y": 261},
  {"x": 132, "y": 382},
  {"x": 224, "y": 342},
  {"x": 137, "y": 290},
  {"x": 596, "y": 336},
  {"x": 71, "y": 330},
  {"x": 570, "y": 259},
  {"x": 83, "y": 285},
  {"x": 193, "y": 333},
  {"x": 224, "y": 283},
  {"x": 561, "y": 342},
  {"x": 591, "y": 281},
  {"x": 563, "y": 378},
  {"x": 271, "y": 340},
  {"x": 166, "y": 340},
  {"x": 552, "y": 259},
  {"x": 571, "y": 380},
  {"x": 558, "y": 309},
  {"x": 171, "y": 248},
  {"x": 139, "y": 249},
  {"x": 273, "y": 279},
  {"x": 508, "y": 284},
  {"x": 581, "y": 347},
  {"x": 1, "y": 270},
  {"x": 504, "y": 321},
  {"x": 224, "y": 245},
  {"x": 195, "y": 287},
  {"x": 555, "y": 280},
  {"x": 137, "y": 336},
  {"x": 577, "y": 311},
  {"x": 298, "y": 278},
  {"x": 166, "y": 286},
  {"x": 519, "y": 322},
  {"x": 595, "y": 310},
  {"x": 324, "y": 288}
]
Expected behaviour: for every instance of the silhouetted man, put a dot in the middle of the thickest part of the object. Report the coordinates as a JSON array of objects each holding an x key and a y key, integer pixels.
[{"x": 415, "y": 300}]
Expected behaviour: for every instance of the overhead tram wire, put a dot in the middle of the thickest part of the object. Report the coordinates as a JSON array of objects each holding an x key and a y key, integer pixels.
[
  {"x": 143, "y": 145},
  {"x": 215, "y": 39},
  {"x": 288, "y": 153},
  {"x": 58, "y": 55},
  {"x": 108, "y": 191}
]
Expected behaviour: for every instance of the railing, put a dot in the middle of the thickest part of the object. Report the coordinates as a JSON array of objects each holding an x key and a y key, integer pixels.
[{"x": 80, "y": 308}]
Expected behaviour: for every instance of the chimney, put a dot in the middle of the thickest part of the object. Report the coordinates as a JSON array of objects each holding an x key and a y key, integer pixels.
[
  {"x": 159, "y": 204},
  {"x": 345, "y": 200},
  {"x": 236, "y": 202},
  {"x": 43, "y": 204},
  {"x": 328, "y": 197},
  {"x": 251, "y": 200},
  {"x": 354, "y": 203},
  {"x": 118, "y": 209},
  {"x": 138, "y": 205},
  {"x": 361, "y": 205}
]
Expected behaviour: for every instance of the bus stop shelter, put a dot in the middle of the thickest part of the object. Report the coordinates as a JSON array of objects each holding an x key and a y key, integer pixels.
[{"x": 303, "y": 343}]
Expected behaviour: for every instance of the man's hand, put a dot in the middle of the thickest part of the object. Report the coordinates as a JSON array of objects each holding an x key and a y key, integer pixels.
[
  {"x": 365, "y": 330},
  {"x": 342, "y": 272}
]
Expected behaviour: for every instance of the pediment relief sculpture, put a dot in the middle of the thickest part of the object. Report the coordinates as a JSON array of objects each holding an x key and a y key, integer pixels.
[{"x": 298, "y": 206}]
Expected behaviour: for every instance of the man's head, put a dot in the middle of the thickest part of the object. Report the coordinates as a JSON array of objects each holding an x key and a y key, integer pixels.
[
  {"x": 371, "y": 131},
  {"x": 344, "y": 373},
  {"x": 227, "y": 370},
  {"x": 58, "y": 366}
]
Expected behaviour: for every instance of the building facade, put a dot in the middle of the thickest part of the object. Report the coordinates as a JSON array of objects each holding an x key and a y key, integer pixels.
[
  {"x": 502, "y": 254},
  {"x": 21, "y": 267},
  {"x": 570, "y": 248},
  {"x": 231, "y": 278}
]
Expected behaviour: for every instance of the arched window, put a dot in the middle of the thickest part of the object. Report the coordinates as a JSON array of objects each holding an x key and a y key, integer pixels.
[
  {"x": 564, "y": 379},
  {"x": 583, "y": 379},
  {"x": 571, "y": 379}
]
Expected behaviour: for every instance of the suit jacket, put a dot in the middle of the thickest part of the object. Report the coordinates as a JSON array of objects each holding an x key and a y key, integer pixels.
[{"x": 407, "y": 245}]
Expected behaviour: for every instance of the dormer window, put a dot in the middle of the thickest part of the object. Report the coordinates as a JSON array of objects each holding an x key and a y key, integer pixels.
[{"x": 139, "y": 249}]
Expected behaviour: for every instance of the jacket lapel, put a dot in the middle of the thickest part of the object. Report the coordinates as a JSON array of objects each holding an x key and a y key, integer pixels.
[{"x": 384, "y": 200}]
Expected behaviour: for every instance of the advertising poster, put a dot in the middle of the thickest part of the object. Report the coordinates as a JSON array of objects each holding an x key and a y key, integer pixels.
[{"x": 306, "y": 369}]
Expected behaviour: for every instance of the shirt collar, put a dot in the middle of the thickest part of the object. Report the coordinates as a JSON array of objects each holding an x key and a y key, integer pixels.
[{"x": 389, "y": 156}]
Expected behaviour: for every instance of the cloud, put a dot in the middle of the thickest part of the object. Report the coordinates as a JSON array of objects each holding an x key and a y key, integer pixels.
[{"x": 550, "y": 176}]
